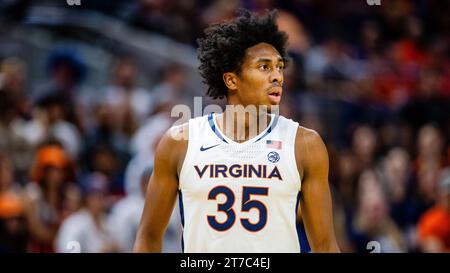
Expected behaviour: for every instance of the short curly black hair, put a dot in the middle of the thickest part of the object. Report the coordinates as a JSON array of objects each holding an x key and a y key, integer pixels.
[{"x": 223, "y": 47}]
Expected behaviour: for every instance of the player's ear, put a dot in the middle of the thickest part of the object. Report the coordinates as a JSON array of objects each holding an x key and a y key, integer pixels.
[{"x": 230, "y": 80}]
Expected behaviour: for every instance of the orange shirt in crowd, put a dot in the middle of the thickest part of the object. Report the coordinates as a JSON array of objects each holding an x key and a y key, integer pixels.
[{"x": 435, "y": 223}]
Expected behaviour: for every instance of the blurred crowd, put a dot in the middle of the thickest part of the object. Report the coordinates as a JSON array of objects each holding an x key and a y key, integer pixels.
[{"x": 374, "y": 81}]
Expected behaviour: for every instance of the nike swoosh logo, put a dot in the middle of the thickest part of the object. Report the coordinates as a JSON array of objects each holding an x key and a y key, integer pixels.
[{"x": 207, "y": 148}]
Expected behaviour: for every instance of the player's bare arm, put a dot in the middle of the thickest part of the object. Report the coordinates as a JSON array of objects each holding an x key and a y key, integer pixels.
[
  {"x": 316, "y": 204},
  {"x": 162, "y": 190}
]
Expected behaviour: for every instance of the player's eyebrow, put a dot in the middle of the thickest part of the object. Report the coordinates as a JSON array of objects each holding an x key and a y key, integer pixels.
[{"x": 267, "y": 60}]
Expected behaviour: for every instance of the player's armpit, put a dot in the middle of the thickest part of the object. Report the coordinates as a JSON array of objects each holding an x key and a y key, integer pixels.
[
  {"x": 161, "y": 193},
  {"x": 316, "y": 204}
]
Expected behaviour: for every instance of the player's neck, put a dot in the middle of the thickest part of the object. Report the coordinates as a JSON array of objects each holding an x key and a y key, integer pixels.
[{"x": 241, "y": 126}]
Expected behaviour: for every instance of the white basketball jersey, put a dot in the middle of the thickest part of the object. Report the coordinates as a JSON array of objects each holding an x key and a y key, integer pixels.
[{"x": 240, "y": 197}]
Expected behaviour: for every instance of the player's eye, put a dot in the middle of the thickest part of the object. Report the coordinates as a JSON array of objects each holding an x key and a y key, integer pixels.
[
  {"x": 264, "y": 67},
  {"x": 281, "y": 67}
]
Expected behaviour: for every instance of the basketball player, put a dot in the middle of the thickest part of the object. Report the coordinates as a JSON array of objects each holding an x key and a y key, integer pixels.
[{"x": 239, "y": 190}]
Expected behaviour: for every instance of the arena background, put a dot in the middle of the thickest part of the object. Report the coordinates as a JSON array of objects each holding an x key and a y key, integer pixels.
[{"x": 87, "y": 87}]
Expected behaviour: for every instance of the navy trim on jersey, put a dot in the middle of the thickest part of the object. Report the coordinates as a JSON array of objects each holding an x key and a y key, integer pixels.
[
  {"x": 180, "y": 202},
  {"x": 301, "y": 232},
  {"x": 297, "y": 227},
  {"x": 272, "y": 126},
  {"x": 213, "y": 127}
]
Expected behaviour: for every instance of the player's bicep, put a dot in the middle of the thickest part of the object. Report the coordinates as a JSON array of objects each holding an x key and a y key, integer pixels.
[
  {"x": 160, "y": 199},
  {"x": 316, "y": 204}
]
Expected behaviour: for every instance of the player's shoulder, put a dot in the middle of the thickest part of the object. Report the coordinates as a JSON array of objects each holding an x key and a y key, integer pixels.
[
  {"x": 308, "y": 138},
  {"x": 307, "y": 133},
  {"x": 175, "y": 137},
  {"x": 287, "y": 120},
  {"x": 310, "y": 150},
  {"x": 178, "y": 132}
]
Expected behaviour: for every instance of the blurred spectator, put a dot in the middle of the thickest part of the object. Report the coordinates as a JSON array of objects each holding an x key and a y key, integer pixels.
[
  {"x": 331, "y": 62},
  {"x": 364, "y": 147},
  {"x": 430, "y": 148},
  {"x": 126, "y": 214},
  {"x": 171, "y": 89},
  {"x": 404, "y": 208},
  {"x": 103, "y": 133},
  {"x": 347, "y": 179},
  {"x": 168, "y": 93},
  {"x": 13, "y": 222},
  {"x": 14, "y": 109},
  {"x": 51, "y": 195},
  {"x": 372, "y": 221},
  {"x": 434, "y": 225},
  {"x": 67, "y": 70},
  {"x": 396, "y": 172},
  {"x": 148, "y": 136},
  {"x": 105, "y": 149},
  {"x": 130, "y": 104},
  {"x": 88, "y": 227},
  {"x": 426, "y": 167},
  {"x": 104, "y": 159},
  {"x": 48, "y": 122},
  {"x": 12, "y": 82},
  {"x": 134, "y": 171},
  {"x": 341, "y": 222},
  {"x": 426, "y": 185}
]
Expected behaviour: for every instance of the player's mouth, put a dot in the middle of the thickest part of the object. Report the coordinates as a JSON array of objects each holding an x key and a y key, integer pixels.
[{"x": 275, "y": 94}]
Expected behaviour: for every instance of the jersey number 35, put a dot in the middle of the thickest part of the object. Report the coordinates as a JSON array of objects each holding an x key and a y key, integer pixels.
[{"x": 247, "y": 205}]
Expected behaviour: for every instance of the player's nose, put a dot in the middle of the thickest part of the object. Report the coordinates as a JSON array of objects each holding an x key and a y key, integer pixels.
[{"x": 276, "y": 76}]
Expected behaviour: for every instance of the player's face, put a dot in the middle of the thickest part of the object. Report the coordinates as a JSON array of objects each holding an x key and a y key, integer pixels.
[{"x": 260, "y": 80}]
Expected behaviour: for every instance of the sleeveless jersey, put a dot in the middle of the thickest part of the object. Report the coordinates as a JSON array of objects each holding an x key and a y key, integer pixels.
[{"x": 240, "y": 197}]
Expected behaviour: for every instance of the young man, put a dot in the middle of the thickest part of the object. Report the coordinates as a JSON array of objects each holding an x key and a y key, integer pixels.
[{"x": 238, "y": 187}]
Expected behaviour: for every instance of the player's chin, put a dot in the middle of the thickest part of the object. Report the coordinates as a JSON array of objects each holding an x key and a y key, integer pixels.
[
  {"x": 272, "y": 107},
  {"x": 273, "y": 101}
]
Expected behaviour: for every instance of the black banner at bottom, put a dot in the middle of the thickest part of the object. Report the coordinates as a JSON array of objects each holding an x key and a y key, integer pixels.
[{"x": 85, "y": 263}]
